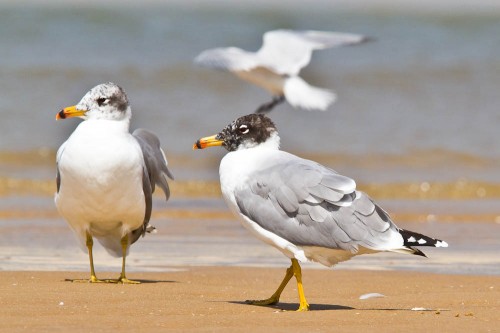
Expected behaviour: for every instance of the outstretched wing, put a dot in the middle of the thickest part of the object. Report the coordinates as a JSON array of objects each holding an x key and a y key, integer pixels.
[
  {"x": 228, "y": 59},
  {"x": 311, "y": 205},
  {"x": 155, "y": 172},
  {"x": 288, "y": 51}
]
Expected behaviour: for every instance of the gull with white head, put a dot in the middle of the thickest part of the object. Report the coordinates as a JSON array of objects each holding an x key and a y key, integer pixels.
[
  {"x": 304, "y": 209},
  {"x": 276, "y": 65},
  {"x": 106, "y": 175}
]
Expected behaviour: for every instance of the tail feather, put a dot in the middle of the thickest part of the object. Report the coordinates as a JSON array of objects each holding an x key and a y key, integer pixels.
[
  {"x": 302, "y": 95},
  {"x": 411, "y": 239}
]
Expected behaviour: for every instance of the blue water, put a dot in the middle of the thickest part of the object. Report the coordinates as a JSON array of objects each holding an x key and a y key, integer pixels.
[{"x": 427, "y": 82}]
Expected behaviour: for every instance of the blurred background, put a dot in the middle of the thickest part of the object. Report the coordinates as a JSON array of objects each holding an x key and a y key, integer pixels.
[{"x": 415, "y": 124}]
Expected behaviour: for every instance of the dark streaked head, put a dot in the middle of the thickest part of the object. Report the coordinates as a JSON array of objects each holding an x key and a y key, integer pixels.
[
  {"x": 245, "y": 132},
  {"x": 104, "y": 101}
]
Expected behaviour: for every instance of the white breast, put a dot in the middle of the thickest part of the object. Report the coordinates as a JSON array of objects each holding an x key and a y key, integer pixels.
[{"x": 101, "y": 178}]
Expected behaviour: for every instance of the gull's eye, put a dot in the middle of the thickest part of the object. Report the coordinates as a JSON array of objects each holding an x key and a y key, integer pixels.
[
  {"x": 101, "y": 101},
  {"x": 243, "y": 129}
]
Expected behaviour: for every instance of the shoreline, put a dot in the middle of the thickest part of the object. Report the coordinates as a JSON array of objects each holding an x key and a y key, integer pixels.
[{"x": 212, "y": 298}]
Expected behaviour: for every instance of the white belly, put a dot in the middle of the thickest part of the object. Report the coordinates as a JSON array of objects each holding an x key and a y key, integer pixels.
[
  {"x": 264, "y": 78},
  {"x": 101, "y": 184}
]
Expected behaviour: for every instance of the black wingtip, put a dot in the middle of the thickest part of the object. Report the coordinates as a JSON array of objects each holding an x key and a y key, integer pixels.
[{"x": 411, "y": 239}]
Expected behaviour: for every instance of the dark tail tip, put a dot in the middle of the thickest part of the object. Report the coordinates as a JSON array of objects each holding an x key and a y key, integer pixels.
[{"x": 411, "y": 239}]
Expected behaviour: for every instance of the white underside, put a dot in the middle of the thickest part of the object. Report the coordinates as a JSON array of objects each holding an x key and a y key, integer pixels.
[
  {"x": 264, "y": 78},
  {"x": 101, "y": 183},
  {"x": 325, "y": 256},
  {"x": 297, "y": 92}
]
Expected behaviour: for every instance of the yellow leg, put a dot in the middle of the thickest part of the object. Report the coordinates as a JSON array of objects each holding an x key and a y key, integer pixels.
[
  {"x": 304, "y": 306},
  {"x": 276, "y": 296},
  {"x": 93, "y": 278},
  {"x": 123, "y": 279}
]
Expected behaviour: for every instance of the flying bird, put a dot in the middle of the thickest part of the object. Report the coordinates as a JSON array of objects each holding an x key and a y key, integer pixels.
[
  {"x": 276, "y": 65},
  {"x": 106, "y": 175},
  {"x": 304, "y": 209}
]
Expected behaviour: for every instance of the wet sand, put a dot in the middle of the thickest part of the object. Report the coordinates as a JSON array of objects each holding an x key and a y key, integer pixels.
[{"x": 212, "y": 299}]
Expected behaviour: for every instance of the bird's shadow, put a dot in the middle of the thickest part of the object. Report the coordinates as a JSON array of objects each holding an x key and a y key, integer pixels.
[
  {"x": 329, "y": 307},
  {"x": 294, "y": 306},
  {"x": 401, "y": 309},
  {"x": 111, "y": 281}
]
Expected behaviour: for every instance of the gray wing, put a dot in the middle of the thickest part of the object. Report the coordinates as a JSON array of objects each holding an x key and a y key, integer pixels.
[
  {"x": 155, "y": 171},
  {"x": 310, "y": 205},
  {"x": 58, "y": 158},
  {"x": 58, "y": 178},
  {"x": 288, "y": 51},
  {"x": 228, "y": 58}
]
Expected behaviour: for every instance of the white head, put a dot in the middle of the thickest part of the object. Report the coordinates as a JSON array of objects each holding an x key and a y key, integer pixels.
[{"x": 105, "y": 101}]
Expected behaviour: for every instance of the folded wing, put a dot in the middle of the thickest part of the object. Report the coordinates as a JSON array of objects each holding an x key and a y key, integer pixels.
[
  {"x": 311, "y": 205},
  {"x": 155, "y": 172}
]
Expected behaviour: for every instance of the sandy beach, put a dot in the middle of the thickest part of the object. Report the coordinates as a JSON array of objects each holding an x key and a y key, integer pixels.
[{"x": 212, "y": 299}]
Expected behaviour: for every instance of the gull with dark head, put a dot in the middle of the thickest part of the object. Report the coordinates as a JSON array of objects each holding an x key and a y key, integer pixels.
[
  {"x": 276, "y": 65},
  {"x": 304, "y": 209},
  {"x": 106, "y": 175}
]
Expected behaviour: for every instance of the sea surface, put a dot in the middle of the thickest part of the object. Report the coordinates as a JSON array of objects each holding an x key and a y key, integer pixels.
[{"x": 416, "y": 123}]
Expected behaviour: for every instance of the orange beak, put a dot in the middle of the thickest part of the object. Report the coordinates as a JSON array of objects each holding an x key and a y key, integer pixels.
[
  {"x": 69, "y": 112},
  {"x": 209, "y": 141}
]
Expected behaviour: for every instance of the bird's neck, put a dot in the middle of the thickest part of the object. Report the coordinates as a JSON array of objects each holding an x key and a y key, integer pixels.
[
  {"x": 272, "y": 143},
  {"x": 105, "y": 126}
]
